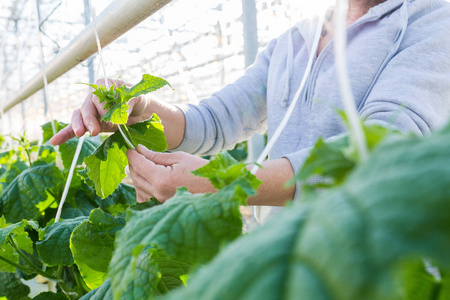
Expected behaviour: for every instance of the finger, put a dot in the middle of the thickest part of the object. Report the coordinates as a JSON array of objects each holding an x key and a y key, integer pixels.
[
  {"x": 141, "y": 185},
  {"x": 90, "y": 115},
  {"x": 165, "y": 159},
  {"x": 62, "y": 136},
  {"x": 140, "y": 165},
  {"x": 142, "y": 197},
  {"x": 77, "y": 124},
  {"x": 137, "y": 106}
]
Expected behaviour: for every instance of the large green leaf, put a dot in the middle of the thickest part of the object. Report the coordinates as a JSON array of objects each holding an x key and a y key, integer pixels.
[
  {"x": 107, "y": 174},
  {"x": 54, "y": 247},
  {"x": 11, "y": 287},
  {"x": 11, "y": 173},
  {"x": 106, "y": 166},
  {"x": 188, "y": 228},
  {"x": 149, "y": 133},
  {"x": 81, "y": 205},
  {"x": 119, "y": 201},
  {"x": 347, "y": 243},
  {"x": 92, "y": 245},
  {"x": 21, "y": 197}
]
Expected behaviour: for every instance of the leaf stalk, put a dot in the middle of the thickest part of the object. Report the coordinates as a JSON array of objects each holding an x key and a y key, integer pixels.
[{"x": 30, "y": 263}]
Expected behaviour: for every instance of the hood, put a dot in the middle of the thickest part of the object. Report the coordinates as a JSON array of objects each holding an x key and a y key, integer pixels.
[{"x": 307, "y": 29}]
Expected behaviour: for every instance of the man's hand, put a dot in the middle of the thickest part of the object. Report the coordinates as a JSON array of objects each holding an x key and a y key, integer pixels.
[
  {"x": 87, "y": 118},
  {"x": 158, "y": 175}
]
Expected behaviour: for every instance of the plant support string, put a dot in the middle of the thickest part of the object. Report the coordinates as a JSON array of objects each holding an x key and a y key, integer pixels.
[
  {"x": 257, "y": 210},
  {"x": 357, "y": 135}
]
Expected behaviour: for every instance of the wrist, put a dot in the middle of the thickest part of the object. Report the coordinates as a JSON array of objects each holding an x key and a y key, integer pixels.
[{"x": 273, "y": 191}]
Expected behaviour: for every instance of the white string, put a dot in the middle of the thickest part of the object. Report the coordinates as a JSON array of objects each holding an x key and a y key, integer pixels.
[
  {"x": 69, "y": 178},
  {"x": 44, "y": 74},
  {"x": 290, "y": 110},
  {"x": 48, "y": 112},
  {"x": 99, "y": 45},
  {"x": 126, "y": 139},
  {"x": 356, "y": 130},
  {"x": 256, "y": 211},
  {"x": 81, "y": 140},
  {"x": 102, "y": 62}
]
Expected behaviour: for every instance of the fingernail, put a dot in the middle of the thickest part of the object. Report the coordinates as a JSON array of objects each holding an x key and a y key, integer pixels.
[
  {"x": 141, "y": 147},
  {"x": 91, "y": 128},
  {"x": 75, "y": 129}
]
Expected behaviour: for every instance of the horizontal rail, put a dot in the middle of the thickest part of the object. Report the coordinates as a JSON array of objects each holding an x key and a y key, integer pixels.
[{"x": 119, "y": 17}]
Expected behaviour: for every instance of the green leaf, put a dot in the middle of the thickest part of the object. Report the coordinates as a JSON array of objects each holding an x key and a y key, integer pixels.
[
  {"x": 51, "y": 296},
  {"x": 149, "y": 133},
  {"x": 171, "y": 272},
  {"x": 189, "y": 228},
  {"x": 107, "y": 174},
  {"x": 116, "y": 98},
  {"x": 147, "y": 85},
  {"x": 47, "y": 129},
  {"x": 417, "y": 283},
  {"x": 46, "y": 154},
  {"x": 106, "y": 166},
  {"x": 6, "y": 157},
  {"x": 119, "y": 201},
  {"x": 81, "y": 205},
  {"x": 348, "y": 243},
  {"x": 54, "y": 247},
  {"x": 26, "y": 191},
  {"x": 68, "y": 150},
  {"x": 19, "y": 236},
  {"x": 11, "y": 287},
  {"x": 224, "y": 170},
  {"x": 92, "y": 245},
  {"x": 328, "y": 160},
  {"x": 117, "y": 114},
  {"x": 11, "y": 173}
]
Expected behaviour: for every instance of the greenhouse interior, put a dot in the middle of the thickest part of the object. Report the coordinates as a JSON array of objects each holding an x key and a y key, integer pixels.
[{"x": 224, "y": 149}]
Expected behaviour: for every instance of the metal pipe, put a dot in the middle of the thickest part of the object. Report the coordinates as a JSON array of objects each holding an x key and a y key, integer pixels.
[{"x": 119, "y": 17}]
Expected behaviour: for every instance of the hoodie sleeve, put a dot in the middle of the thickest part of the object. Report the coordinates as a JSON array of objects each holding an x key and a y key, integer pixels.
[
  {"x": 412, "y": 93},
  {"x": 230, "y": 115}
]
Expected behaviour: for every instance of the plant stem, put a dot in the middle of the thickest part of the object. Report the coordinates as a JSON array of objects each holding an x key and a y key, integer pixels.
[
  {"x": 126, "y": 135},
  {"x": 29, "y": 262},
  {"x": 28, "y": 156},
  {"x": 80, "y": 281},
  {"x": 61, "y": 283},
  {"x": 22, "y": 268}
]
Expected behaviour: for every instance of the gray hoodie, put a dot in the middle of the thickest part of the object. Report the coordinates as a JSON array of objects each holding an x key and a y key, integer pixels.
[{"x": 399, "y": 66}]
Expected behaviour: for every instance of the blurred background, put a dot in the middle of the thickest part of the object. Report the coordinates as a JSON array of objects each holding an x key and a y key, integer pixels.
[{"x": 198, "y": 46}]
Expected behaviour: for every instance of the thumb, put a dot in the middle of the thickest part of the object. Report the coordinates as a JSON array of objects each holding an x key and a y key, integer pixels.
[
  {"x": 137, "y": 105},
  {"x": 166, "y": 159}
]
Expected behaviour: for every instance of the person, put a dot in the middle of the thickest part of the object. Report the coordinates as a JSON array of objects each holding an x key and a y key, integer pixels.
[{"x": 399, "y": 65}]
